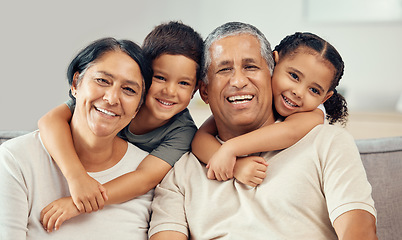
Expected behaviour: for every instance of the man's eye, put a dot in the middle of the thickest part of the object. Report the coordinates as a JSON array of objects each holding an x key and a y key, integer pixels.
[
  {"x": 251, "y": 67},
  {"x": 223, "y": 70}
]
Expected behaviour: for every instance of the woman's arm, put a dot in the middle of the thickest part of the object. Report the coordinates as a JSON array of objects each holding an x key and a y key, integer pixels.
[{"x": 88, "y": 195}]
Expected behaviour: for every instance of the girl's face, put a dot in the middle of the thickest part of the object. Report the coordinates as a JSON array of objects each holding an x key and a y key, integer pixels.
[
  {"x": 300, "y": 82},
  {"x": 173, "y": 86},
  {"x": 108, "y": 94}
]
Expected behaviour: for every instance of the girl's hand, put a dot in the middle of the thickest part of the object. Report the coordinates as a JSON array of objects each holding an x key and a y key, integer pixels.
[
  {"x": 87, "y": 194},
  {"x": 54, "y": 214},
  {"x": 221, "y": 164},
  {"x": 250, "y": 170}
]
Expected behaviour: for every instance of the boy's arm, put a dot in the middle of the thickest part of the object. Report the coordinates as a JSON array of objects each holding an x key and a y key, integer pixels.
[
  {"x": 54, "y": 127},
  {"x": 133, "y": 184}
]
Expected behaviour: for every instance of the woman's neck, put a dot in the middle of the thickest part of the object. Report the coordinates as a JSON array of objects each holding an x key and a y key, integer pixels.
[{"x": 97, "y": 153}]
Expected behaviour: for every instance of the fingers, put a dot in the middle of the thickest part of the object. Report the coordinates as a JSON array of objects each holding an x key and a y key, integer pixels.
[{"x": 104, "y": 194}]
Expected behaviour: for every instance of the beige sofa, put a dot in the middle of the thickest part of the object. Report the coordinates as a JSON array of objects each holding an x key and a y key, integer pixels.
[{"x": 382, "y": 159}]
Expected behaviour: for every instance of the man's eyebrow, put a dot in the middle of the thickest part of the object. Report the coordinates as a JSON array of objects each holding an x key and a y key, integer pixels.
[
  {"x": 224, "y": 63},
  {"x": 249, "y": 60}
]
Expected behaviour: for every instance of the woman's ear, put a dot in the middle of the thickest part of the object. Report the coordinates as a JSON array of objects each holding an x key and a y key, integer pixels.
[
  {"x": 276, "y": 56},
  {"x": 74, "y": 83},
  {"x": 204, "y": 91}
]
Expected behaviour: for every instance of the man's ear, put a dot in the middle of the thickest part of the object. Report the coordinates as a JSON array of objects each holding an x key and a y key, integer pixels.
[{"x": 204, "y": 91}]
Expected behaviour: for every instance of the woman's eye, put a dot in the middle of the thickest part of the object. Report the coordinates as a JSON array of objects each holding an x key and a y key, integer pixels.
[
  {"x": 129, "y": 91},
  {"x": 102, "y": 81}
]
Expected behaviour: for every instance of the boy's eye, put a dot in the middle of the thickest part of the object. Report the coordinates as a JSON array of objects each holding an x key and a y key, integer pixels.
[
  {"x": 184, "y": 83},
  {"x": 159, "y": 77}
]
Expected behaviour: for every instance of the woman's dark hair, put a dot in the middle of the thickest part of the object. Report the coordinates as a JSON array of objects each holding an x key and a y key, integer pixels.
[
  {"x": 335, "y": 106},
  {"x": 174, "y": 38},
  {"x": 96, "y": 49}
]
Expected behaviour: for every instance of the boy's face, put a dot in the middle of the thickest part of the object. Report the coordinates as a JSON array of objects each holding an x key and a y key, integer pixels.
[{"x": 173, "y": 86}]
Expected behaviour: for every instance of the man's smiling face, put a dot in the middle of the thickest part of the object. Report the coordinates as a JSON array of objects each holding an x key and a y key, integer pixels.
[{"x": 239, "y": 89}]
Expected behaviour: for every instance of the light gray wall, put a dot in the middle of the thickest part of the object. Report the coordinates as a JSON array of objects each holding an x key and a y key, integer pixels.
[{"x": 39, "y": 38}]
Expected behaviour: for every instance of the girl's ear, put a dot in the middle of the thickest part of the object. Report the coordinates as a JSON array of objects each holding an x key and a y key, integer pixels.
[
  {"x": 204, "y": 91},
  {"x": 329, "y": 94},
  {"x": 196, "y": 88},
  {"x": 276, "y": 56}
]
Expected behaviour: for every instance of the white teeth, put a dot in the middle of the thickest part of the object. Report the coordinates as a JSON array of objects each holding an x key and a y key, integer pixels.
[
  {"x": 288, "y": 102},
  {"x": 238, "y": 99},
  {"x": 105, "y": 111},
  {"x": 165, "y": 103}
]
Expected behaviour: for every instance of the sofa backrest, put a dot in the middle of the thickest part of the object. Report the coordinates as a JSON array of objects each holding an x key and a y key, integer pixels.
[{"x": 382, "y": 159}]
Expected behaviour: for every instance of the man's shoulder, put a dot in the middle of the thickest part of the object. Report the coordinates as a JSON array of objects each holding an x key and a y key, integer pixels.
[{"x": 328, "y": 130}]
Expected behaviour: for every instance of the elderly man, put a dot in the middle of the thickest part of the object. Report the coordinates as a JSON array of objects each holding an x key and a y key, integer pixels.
[{"x": 316, "y": 189}]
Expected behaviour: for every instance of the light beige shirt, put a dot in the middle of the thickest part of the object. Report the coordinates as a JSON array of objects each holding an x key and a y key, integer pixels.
[{"x": 307, "y": 187}]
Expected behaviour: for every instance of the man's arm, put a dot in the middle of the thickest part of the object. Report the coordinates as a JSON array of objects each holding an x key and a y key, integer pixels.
[
  {"x": 356, "y": 224},
  {"x": 168, "y": 235}
]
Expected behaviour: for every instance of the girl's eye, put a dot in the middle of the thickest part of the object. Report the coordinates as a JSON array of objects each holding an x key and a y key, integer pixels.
[
  {"x": 294, "y": 76},
  {"x": 315, "y": 91}
]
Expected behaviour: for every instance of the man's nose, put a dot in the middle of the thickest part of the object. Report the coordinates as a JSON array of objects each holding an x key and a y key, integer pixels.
[{"x": 239, "y": 79}]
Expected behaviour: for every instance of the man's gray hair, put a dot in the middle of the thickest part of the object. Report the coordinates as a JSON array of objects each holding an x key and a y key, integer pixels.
[{"x": 231, "y": 29}]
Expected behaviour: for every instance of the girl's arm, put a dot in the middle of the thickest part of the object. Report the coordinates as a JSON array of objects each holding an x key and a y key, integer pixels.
[
  {"x": 54, "y": 127},
  {"x": 273, "y": 137},
  {"x": 204, "y": 143}
]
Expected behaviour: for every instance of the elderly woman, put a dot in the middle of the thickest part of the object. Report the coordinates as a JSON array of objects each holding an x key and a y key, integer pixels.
[{"x": 107, "y": 82}]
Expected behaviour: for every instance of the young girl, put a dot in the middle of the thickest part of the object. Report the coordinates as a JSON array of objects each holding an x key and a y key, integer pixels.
[
  {"x": 307, "y": 71},
  {"x": 163, "y": 126}
]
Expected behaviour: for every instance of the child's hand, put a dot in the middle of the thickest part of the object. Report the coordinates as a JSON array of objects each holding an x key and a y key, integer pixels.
[
  {"x": 250, "y": 170},
  {"x": 88, "y": 194},
  {"x": 221, "y": 164},
  {"x": 54, "y": 214}
]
